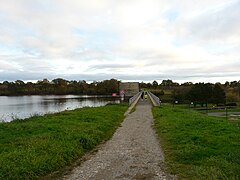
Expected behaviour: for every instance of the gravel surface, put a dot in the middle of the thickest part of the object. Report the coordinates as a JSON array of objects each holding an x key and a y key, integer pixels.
[{"x": 132, "y": 153}]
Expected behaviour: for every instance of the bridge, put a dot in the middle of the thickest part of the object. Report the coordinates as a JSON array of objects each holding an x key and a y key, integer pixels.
[{"x": 136, "y": 98}]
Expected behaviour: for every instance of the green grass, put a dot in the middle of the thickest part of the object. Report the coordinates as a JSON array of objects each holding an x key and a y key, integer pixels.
[
  {"x": 197, "y": 146},
  {"x": 35, "y": 147},
  {"x": 229, "y": 109},
  {"x": 187, "y": 106}
]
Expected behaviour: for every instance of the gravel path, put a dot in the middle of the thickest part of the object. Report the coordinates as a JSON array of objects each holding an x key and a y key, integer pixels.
[{"x": 132, "y": 153}]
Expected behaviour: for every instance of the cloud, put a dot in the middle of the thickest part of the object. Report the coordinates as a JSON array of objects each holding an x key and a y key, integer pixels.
[
  {"x": 219, "y": 24},
  {"x": 135, "y": 40},
  {"x": 110, "y": 66}
]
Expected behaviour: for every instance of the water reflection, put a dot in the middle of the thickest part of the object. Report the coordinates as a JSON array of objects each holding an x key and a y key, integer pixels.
[{"x": 25, "y": 106}]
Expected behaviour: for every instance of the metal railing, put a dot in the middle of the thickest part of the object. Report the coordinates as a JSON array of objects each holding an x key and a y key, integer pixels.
[
  {"x": 156, "y": 101},
  {"x": 135, "y": 97}
]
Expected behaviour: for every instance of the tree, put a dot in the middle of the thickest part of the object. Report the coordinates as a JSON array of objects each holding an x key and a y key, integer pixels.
[
  {"x": 83, "y": 87},
  {"x": 19, "y": 82},
  {"x": 143, "y": 85},
  {"x": 234, "y": 84},
  {"x": 232, "y": 97},
  {"x": 180, "y": 93},
  {"x": 200, "y": 93},
  {"x": 187, "y": 84},
  {"x": 227, "y": 84},
  {"x": 61, "y": 86},
  {"x": 155, "y": 84},
  {"x": 6, "y": 83},
  {"x": 167, "y": 83},
  {"x": 30, "y": 88},
  {"x": 218, "y": 94}
]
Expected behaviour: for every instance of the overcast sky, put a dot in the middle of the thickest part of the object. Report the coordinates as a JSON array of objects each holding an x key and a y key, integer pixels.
[{"x": 130, "y": 40}]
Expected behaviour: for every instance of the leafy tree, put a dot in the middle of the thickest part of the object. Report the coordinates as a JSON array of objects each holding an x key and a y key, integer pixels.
[
  {"x": 167, "y": 83},
  {"x": 187, "y": 84},
  {"x": 180, "y": 94},
  {"x": 232, "y": 97},
  {"x": 60, "y": 86},
  {"x": 234, "y": 84},
  {"x": 218, "y": 94},
  {"x": 143, "y": 85},
  {"x": 200, "y": 93},
  {"x": 112, "y": 86},
  {"x": 83, "y": 87},
  {"x": 155, "y": 84},
  {"x": 227, "y": 84},
  {"x": 6, "y": 82},
  {"x": 19, "y": 82}
]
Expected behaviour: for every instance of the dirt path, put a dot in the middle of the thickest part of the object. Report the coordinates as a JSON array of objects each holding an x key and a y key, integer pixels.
[{"x": 132, "y": 153}]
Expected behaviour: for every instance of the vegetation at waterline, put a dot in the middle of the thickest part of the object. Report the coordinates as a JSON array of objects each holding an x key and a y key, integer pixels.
[
  {"x": 34, "y": 147},
  {"x": 198, "y": 146},
  {"x": 59, "y": 86}
]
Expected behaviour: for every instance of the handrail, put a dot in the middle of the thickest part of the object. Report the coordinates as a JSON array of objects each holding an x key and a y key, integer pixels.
[
  {"x": 135, "y": 97},
  {"x": 156, "y": 101}
]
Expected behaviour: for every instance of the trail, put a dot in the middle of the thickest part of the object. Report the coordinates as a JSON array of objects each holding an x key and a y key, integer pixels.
[{"x": 133, "y": 152}]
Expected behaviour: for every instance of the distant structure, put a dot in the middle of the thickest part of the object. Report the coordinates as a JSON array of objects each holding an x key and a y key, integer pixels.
[{"x": 129, "y": 88}]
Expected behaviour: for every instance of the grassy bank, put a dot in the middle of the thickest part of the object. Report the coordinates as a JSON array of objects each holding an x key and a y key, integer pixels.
[
  {"x": 37, "y": 146},
  {"x": 197, "y": 146}
]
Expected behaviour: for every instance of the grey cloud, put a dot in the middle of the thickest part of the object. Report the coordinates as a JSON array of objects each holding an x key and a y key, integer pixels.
[
  {"x": 179, "y": 75},
  {"x": 217, "y": 24},
  {"x": 151, "y": 77},
  {"x": 23, "y": 75}
]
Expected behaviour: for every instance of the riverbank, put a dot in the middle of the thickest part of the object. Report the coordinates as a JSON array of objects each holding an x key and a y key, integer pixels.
[
  {"x": 197, "y": 146},
  {"x": 37, "y": 146}
]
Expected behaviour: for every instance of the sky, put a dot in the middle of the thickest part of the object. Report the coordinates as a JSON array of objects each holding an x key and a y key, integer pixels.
[{"x": 129, "y": 40}]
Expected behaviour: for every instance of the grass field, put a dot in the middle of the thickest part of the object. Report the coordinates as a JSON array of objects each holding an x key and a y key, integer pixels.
[
  {"x": 32, "y": 148},
  {"x": 197, "y": 146}
]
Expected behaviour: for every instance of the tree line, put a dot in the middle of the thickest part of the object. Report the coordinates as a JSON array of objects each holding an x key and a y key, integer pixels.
[
  {"x": 198, "y": 93},
  {"x": 59, "y": 86},
  {"x": 167, "y": 90}
]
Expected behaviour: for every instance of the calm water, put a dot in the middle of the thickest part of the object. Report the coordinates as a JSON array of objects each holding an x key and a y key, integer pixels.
[{"x": 25, "y": 106}]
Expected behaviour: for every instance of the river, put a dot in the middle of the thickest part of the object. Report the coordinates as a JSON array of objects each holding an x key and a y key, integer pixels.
[{"x": 20, "y": 107}]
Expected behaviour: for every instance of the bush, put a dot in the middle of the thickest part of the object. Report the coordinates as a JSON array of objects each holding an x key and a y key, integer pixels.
[{"x": 231, "y": 104}]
